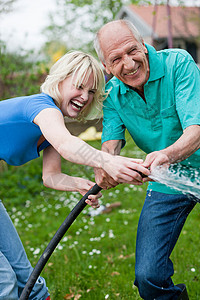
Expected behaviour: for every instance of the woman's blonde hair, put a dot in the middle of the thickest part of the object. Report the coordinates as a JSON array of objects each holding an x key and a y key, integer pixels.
[{"x": 82, "y": 65}]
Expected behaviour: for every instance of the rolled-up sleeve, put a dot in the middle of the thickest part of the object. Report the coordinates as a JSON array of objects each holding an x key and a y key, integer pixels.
[
  {"x": 187, "y": 93},
  {"x": 113, "y": 127}
]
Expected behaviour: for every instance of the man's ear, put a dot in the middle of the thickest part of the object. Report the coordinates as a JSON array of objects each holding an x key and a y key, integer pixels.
[
  {"x": 145, "y": 48},
  {"x": 107, "y": 70}
]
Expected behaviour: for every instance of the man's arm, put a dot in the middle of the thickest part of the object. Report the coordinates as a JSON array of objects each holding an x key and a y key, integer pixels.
[
  {"x": 185, "y": 146},
  {"x": 113, "y": 147},
  {"x": 104, "y": 180}
]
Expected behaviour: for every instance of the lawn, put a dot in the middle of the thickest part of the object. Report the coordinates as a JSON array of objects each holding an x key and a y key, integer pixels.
[{"x": 95, "y": 259}]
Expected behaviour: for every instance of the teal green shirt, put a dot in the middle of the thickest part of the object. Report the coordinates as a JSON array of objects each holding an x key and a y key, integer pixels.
[{"x": 172, "y": 96}]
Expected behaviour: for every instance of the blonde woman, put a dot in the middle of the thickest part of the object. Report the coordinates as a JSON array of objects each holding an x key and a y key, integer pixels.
[{"x": 30, "y": 124}]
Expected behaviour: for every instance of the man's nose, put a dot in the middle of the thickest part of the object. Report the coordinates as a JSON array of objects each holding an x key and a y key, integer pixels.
[{"x": 128, "y": 62}]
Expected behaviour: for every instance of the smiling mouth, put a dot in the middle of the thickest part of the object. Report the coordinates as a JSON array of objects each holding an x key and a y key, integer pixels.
[
  {"x": 134, "y": 72},
  {"x": 76, "y": 104}
]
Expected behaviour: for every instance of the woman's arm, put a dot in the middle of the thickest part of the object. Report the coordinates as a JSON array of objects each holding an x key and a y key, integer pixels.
[
  {"x": 103, "y": 179},
  {"x": 72, "y": 148},
  {"x": 55, "y": 179}
]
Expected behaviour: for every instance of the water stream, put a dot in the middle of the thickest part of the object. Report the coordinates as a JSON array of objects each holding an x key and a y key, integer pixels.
[{"x": 179, "y": 177}]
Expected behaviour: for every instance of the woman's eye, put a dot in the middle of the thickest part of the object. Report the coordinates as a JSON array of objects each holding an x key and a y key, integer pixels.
[{"x": 92, "y": 92}]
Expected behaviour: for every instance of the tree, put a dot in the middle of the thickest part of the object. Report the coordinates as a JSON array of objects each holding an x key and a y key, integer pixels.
[
  {"x": 75, "y": 21},
  {"x": 18, "y": 74},
  {"x": 6, "y": 6}
]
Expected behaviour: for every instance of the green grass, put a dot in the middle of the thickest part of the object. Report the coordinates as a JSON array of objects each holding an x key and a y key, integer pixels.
[{"x": 95, "y": 259}]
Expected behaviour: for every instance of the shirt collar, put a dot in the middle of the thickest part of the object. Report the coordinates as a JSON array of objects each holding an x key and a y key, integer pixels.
[
  {"x": 156, "y": 68},
  {"x": 155, "y": 63}
]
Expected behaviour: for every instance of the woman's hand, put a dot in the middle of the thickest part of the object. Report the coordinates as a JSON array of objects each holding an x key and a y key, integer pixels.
[
  {"x": 125, "y": 170},
  {"x": 83, "y": 186}
]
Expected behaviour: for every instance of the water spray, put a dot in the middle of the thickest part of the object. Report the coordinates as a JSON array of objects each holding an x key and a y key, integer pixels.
[{"x": 181, "y": 178}]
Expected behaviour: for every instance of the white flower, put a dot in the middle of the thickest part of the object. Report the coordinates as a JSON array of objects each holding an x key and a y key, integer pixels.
[
  {"x": 37, "y": 251},
  {"x": 111, "y": 234},
  {"x": 106, "y": 296},
  {"x": 193, "y": 269},
  {"x": 62, "y": 198},
  {"x": 58, "y": 206},
  {"x": 60, "y": 247},
  {"x": 103, "y": 234}
]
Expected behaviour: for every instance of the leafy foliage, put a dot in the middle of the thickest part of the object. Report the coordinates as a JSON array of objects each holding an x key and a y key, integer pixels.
[
  {"x": 18, "y": 74},
  {"x": 6, "y": 6},
  {"x": 75, "y": 22}
]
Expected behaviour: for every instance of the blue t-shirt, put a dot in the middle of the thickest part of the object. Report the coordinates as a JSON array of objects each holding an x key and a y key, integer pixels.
[{"x": 18, "y": 134}]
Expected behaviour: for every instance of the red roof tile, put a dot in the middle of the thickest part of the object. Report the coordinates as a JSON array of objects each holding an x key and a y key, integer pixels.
[{"x": 185, "y": 20}]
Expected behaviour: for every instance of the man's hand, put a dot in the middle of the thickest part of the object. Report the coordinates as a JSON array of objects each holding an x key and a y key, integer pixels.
[
  {"x": 120, "y": 169},
  {"x": 103, "y": 179},
  {"x": 185, "y": 146},
  {"x": 155, "y": 159}
]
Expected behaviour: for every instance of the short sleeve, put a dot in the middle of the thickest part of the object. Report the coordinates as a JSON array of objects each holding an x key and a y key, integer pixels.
[
  {"x": 36, "y": 104},
  {"x": 113, "y": 127},
  {"x": 187, "y": 92}
]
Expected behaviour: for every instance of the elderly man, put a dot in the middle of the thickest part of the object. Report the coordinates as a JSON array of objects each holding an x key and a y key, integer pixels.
[{"x": 155, "y": 95}]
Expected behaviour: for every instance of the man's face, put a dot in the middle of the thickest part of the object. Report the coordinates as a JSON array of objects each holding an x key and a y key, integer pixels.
[{"x": 124, "y": 56}]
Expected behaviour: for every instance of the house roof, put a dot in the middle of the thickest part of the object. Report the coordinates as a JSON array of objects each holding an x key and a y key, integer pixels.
[{"x": 185, "y": 20}]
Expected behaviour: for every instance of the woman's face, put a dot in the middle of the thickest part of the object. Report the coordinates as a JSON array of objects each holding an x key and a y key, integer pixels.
[{"x": 75, "y": 99}]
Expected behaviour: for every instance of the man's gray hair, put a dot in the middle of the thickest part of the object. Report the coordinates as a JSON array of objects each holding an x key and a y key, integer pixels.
[{"x": 127, "y": 23}]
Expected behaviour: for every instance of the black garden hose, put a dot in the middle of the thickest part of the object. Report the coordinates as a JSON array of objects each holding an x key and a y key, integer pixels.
[{"x": 55, "y": 240}]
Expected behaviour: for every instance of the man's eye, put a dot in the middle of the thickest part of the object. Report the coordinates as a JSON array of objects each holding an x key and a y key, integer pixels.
[
  {"x": 80, "y": 87},
  {"x": 115, "y": 59},
  {"x": 132, "y": 51}
]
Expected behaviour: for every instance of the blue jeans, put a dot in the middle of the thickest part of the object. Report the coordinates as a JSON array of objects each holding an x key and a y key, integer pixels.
[
  {"x": 161, "y": 221},
  {"x": 15, "y": 267}
]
